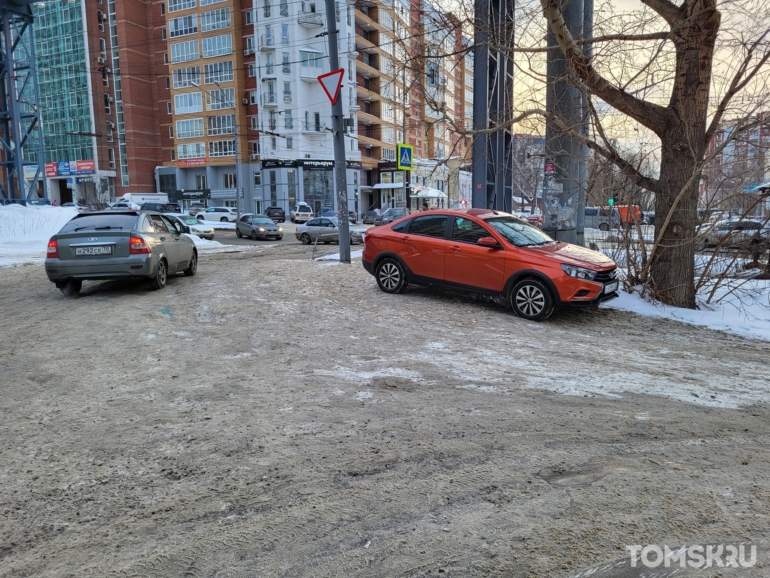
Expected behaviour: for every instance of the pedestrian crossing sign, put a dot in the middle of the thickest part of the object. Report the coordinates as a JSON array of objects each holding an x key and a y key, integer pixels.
[{"x": 404, "y": 157}]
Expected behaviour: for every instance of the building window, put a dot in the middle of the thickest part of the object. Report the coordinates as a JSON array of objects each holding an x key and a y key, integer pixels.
[
  {"x": 101, "y": 18},
  {"x": 173, "y": 155},
  {"x": 289, "y": 143},
  {"x": 249, "y": 17},
  {"x": 222, "y": 148},
  {"x": 215, "y": 19},
  {"x": 254, "y": 123},
  {"x": 111, "y": 157},
  {"x": 201, "y": 182},
  {"x": 287, "y": 91},
  {"x": 188, "y": 76},
  {"x": 255, "y": 149},
  {"x": 317, "y": 117},
  {"x": 389, "y": 154},
  {"x": 250, "y": 44},
  {"x": 267, "y": 8},
  {"x": 272, "y": 142},
  {"x": 219, "y": 125},
  {"x": 171, "y": 132},
  {"x": 184, "y": 51},
  {"x": 168, "y": 83},
  {"x": 165, "y": 58},
  {"x": 230, "y": 181},
  {"x": 168, "y": 107},
  {"x": 311, "y": 59},
  {"x": 163, "y": 33},
  {"x": 285, "y": 65},
  {"x": 252, "y": 70},
  {"x": 194, "y": 150},
  {"x": 107, "y": 104},
  {"x": 188, "y": 102},
  {"x": 103, "y": 48},
  {"x": 109, "y": 131},
  {"x": 183, "y": 25},
  {"x": 284, "y": 34},
  {"x": 287, "y": 119},
  {"x": 177, "y": 5},
  {"x": 218, "y": 72},
  {"x": 189, "y": 128},
  {"x": 273, "y": 120},
  {"x": 208, "y": 2},
  {"x": 163, "y": 10},
  {"x": 217, "y": 46},
  {"x": 253, "y": 97},
  {"x": 220, "y": 98},
  {"x": 105, "y": 80}
]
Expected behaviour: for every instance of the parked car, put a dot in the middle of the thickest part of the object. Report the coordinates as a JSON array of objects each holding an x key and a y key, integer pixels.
[
  {"x": 222, "y": 214},
  {"x": 597, "y": 218},
  {"x": 491, "y": 253},
  {"x": 369, "y": 216},
  {"x": 161, "y": 207},
  {"x": 732, "y": 233},
  {"x": 389, "y": 216},
  {"x": 123, "y": 206},
  {"x": 301, "y": 213},
  {"x": 536, "y": 220},
  {"x": 192, "y": 226},
  {"x": 328, "y": 212},
  {"x": 352, "y": 217},
  {"x": 196, "y": 207},
  {"x": 80, "y": 208},
  {"x": 276, "y": 213},
  {"x": 326, "y": 230},
  {"x": 258, "y": 227},
  {"x": 118, "y": 244}
]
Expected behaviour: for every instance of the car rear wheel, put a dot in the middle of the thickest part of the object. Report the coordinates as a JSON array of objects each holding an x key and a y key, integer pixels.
[
  {"x": 161, "y": 275},
  {"x": 390, "y": 276},
  {"x": 604, "y": 227},
  {"x": 223, "y": 220},
  {"x": 71, "y": 288},
  {"x": 253, "y": 235},
  {"x": 193, "y": 267},
  {"x": 238, "y": 233},
  {"x": 532, "y": 300},
  {"x": 305, "y": 238}
]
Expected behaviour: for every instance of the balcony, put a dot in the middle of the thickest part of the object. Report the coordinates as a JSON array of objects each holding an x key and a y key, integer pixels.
[
  {"x": 368, "y": 118},
  {"x": 368, "y": 142},
  {"x": 310, "y": 19},
  {"x": 269, "y": 72},
  {"x": 269, "y": 99},
  {"x": 266, "y": 42},
  {"x": 313, "y": 129},
  {"x": 367, "y": 94},
  {"x": 310, "y": 73},
  {"x": 287, "y": 97},
  {"x": 365, "y": 45},
  {"x": 366, "y": 70}
]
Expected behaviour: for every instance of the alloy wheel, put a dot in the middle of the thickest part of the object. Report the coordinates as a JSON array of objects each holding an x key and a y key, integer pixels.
[
  {"x": 530, "y": 300},
  {"x": 390, "y": 276}
]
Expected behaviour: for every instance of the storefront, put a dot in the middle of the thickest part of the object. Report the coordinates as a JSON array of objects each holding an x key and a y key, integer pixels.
[{"x": 79, "y": 182}]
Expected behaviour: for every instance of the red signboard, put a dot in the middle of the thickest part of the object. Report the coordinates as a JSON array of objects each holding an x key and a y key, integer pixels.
[
  {"x": 549, "y": 167},
  {"x": 191, "y": 163},
  {"x": 51, "y": 169},
  {"x": 85, "y": 166}
]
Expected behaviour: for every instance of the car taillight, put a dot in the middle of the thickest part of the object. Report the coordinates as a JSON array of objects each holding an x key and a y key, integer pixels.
[
  {"x": 137, "y": 246},
  {"x": 53, "y": 249}
]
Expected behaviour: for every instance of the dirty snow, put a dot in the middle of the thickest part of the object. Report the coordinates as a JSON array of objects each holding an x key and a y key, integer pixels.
[{"x": 25, "y": 231}]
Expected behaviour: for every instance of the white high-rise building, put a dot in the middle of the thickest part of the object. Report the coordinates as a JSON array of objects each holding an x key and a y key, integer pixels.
[{"x": 296, "y": 148}]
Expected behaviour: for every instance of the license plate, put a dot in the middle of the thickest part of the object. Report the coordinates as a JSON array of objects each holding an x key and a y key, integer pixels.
[
  {"x": 611, "y": 288},
  {"x": 105, "y": 250}
]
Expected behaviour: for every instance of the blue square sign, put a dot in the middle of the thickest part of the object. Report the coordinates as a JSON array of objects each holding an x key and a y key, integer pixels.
[{"x": 404, "y": 157}]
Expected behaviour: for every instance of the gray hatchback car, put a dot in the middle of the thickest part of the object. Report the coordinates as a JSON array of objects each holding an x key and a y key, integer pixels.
[
  {"x": 114, "y": 245},
  {"x": 258, "y": 227}
]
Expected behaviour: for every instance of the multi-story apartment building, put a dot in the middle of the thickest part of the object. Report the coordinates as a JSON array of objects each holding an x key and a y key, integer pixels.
[
  {"x": 729, "y": 180},
  {"x": 98, "y": 93}
]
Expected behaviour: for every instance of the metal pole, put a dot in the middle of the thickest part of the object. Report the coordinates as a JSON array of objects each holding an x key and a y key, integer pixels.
[
  {"x": 238, "y": 184},
  {"x": 340, "y": 170},
  {"x": 403, "y": 134}
]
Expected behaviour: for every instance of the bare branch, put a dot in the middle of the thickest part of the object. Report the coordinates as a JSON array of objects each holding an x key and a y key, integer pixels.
[{"x": 665, "y": 9}]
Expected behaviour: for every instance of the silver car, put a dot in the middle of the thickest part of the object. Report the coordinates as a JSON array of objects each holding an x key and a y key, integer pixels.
[
  {"x": 325, "y": 230},
  {"x": 114, "y": 245},
  {"x": 192, "y": 226},
  {"x": 258, "y": 227}
]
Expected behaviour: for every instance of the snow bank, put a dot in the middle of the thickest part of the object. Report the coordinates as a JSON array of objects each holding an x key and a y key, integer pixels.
[
  {"x": 748, "y": 316},
  {"x": 336, "y": 256},
  {"x": 219, "y": 224},
  {"x": 205, "y": 245},
  {"x": 25, "y": 231}
]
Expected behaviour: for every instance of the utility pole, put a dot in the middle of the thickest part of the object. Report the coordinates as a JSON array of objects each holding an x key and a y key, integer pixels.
[
  {"x": 338, "y": 135},
  {"x": 403, "y": 132}
]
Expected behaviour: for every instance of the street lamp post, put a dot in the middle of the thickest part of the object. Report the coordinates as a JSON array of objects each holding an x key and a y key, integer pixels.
[{"x": 238, "y": 185}]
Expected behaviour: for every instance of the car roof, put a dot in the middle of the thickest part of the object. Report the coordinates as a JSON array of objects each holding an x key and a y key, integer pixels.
[{"x": 479, "y": 213}]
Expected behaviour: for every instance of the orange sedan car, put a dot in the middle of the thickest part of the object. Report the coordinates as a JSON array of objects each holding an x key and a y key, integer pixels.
[{"x": 490, "y": 253}]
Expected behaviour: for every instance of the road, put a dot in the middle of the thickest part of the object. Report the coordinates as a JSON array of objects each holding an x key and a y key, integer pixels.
[{"x": 274, "y": 416}]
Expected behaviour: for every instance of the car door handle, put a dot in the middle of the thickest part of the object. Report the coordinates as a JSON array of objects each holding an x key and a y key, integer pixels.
[
  {"x": 404, "y": 238},
  {"x": 456, "y": 248}
]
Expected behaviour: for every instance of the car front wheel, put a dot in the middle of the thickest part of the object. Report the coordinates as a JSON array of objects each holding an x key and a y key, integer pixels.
[
  {"x": 193, "y": 267},
  {"x": 604, "y": 227},
  {"x": 161, "y": 275},
  {"x": 390, "y": 276},
  {"x": 531, "y": 299},
  {"x": 238, "y": 233},
  {"x": 305, "y": 238},
  {"x": 223, "y": 220}
]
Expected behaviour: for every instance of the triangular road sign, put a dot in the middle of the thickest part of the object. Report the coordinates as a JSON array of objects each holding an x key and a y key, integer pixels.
[{"x": 331, "y": 83}]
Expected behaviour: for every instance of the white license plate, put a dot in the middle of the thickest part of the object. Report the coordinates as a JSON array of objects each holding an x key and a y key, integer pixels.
[
  {"x": 107, "y": 250},
  {"x": 611, "y": 288}
]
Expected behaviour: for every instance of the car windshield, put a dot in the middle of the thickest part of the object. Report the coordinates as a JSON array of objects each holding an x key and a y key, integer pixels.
[
  {"x": 261, "y": 221},
  {"x": 518, "y": 232},
  {"x": 393, "y": 213},
  {"x": 303, "y": 209},
  {"x": 101, "y": 221},
  {"x": 189, "y": 220}
]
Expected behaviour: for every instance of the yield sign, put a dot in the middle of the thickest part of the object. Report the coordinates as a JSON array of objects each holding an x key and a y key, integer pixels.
[{"x": 331, "y": 82}]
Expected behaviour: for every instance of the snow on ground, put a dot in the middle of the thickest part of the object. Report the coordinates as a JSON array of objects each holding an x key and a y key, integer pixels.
[
  {"x": 219, "y": 224},
  {"x": 25, "y": 231},
  {"x": 336, "y": 256},
  {"x": 746, "y": 314},
  {"x": 206, "y": 246}
]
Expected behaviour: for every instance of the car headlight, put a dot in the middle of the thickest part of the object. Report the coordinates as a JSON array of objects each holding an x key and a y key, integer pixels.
[
  {"x": 261, "y": 229},
  {"x": 579, "y": 272},
  {"x": 280, "y": 229}
]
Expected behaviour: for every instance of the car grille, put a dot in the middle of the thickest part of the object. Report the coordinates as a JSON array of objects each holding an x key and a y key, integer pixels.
[{"x": 605, "y": 276}]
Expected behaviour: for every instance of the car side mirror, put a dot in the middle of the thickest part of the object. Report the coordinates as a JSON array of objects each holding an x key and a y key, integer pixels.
[{"x": 487, "y": 242}]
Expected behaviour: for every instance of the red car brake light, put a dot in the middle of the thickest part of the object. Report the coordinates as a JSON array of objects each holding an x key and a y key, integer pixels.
[
  {"x": 137, "y": 246},
  {"x": 53, "y": 249}
]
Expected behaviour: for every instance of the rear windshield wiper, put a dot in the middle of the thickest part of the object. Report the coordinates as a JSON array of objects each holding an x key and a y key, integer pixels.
[{"x": 98, "y": 228}]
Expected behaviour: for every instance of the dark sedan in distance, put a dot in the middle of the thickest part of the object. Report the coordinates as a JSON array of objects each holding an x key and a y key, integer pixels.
[
  {"x": 258, "y": 227},
  {"x": 389, "y": 216},
  {"x": 117, "y": 244},
  {"x": 276, "y": 213}
]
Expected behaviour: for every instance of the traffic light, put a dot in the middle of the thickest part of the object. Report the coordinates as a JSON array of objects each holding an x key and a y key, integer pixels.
[
  {"x": 611, "y": 201},
  {"x": 521, "y": 155}
]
